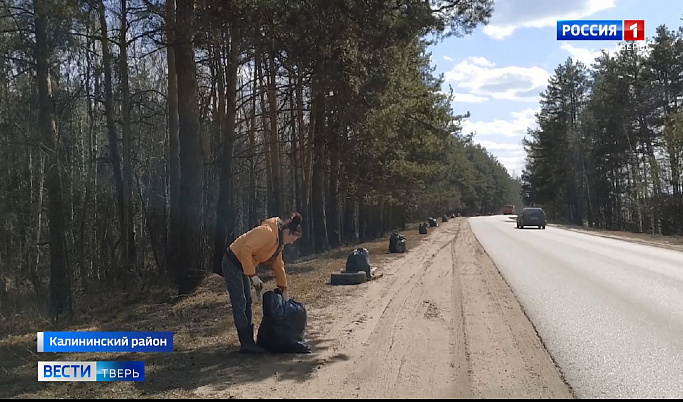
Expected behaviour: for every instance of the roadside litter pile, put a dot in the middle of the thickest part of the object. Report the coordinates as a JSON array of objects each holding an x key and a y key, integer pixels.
[
  {"x": 357, "y": 269},
  {"x": 397, "y": 243},
  {"x": 423, "y": 228}
]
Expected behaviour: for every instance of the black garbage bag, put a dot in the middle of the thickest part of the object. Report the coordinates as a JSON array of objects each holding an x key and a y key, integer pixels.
[
  {"x": 422, "y": 228},
  {"x": 444, "y": 218},
  {"x": 397, "y": 243},
  {"x": 432, "y": 222},
  {"x": 283, "y": 327},
  {"x": 359, "y": 261},
  {"x": 402, "y": 245}
]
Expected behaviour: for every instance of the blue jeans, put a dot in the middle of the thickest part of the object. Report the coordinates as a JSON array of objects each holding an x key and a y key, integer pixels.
[{"x": 239, "y": 289}]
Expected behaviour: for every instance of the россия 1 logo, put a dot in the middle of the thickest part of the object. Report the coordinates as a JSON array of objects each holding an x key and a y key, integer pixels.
[{"x": 628, "y": 30}]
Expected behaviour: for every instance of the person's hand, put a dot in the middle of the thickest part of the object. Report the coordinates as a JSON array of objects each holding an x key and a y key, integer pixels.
[
  {"x": 285, "y": 295},
  {"x": 256, "y": 283}
]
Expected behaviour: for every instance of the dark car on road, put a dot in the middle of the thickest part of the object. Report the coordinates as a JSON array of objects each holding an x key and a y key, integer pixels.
[{"x": 531, "y": 217}]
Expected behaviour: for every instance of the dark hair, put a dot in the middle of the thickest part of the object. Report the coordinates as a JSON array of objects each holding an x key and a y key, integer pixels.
[{"x": 294, "y": 224}]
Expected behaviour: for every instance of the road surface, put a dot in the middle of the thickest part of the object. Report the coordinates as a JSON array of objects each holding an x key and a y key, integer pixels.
[
  {"x": 609, "y": 312},
  {"x": 440, "y": 323}
]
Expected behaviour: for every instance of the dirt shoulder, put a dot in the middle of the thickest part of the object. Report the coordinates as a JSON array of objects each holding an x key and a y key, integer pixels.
[
  {"x": 441, "y": 322},
  {"x": 668, "y": 242}
]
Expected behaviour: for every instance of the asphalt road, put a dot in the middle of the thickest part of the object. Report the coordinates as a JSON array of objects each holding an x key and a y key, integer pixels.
[{"x": 610, "y": 312}]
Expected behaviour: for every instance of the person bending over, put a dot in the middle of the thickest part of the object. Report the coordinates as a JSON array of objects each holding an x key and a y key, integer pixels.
[{"x": 261, "y": 245}]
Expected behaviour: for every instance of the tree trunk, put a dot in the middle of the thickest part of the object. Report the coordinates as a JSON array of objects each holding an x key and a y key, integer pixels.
[
  {"x": 294, "y": 155},
  {"x": 225, "y": 230},
  {"x": 348, "y": 191},
  {"x": 306, "y": 157},
  {"x": 85, "y": 259},
  {"x": 128, "y": 229},
  {"x": 33, "y": 272},
  {"x": 379, "y": 220},
  {"x": 657, "y": 190},
  {"x": 112, "y": 134},
  {"x": 321, "y": 243},
  {"x": 253, "y": 217},
  {"x": 349, "y": 219},
  {"x": 173, "y": 145},
  {"x": 275, "y": 159},
  {"x": 363, "y": 219},
  {"x": 333, "y": 213},
  {"x": 219, "y": 113},
  {"x": 270, "y": 199},
  {"x": 189, "y": 262},
  {"x": 156, "y": 218},
  {"x": 60, "y": 277}
]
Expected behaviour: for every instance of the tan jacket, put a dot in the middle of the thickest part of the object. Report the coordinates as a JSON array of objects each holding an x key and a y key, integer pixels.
[{"x": 259, "y": 246}]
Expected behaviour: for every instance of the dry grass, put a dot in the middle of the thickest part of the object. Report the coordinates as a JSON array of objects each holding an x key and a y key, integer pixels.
[{"x": 205, "y": 342}]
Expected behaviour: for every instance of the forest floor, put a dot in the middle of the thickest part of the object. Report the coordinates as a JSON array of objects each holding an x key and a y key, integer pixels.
[{"x": 440, "y": 322}]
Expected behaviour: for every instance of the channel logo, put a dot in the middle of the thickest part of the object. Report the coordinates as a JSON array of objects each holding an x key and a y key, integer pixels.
[
  {"x": 634, "y": 30},
  {"x": 91, "y": 371},
  {"x": 628, "y": 30}
]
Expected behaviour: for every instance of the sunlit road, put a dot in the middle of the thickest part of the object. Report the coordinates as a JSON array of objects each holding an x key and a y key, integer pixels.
[{"x": 610, "y": 312}]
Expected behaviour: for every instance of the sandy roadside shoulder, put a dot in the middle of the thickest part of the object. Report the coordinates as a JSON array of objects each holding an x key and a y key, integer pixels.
[{"x": 440, "y": 323}]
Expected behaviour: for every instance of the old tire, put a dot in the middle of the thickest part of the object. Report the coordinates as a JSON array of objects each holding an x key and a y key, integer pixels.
[{"x": 347, "y": 278}]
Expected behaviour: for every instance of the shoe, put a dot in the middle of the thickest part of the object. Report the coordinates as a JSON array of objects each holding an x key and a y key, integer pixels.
[{"x": 247, "y": 344}]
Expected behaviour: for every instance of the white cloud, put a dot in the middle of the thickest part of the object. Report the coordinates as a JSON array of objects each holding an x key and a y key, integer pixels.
[
  {"x": 469, "y": 98},
  {"x": 497, "y": 146},
  {"x": 448, "y": 58},
  {"x": 481, "y": 61},
  {"x": 480, "y": 77},
  {"x": 512, "y": 156},
  {"x": 517, "y": 127},
  {"x": 511, "y": 15},
  {"x": 587, "y": 56},
  {"x": 514, "y": 165}
]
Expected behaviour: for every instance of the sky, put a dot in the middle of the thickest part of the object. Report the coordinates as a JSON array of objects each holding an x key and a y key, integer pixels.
[{"x": 498, "y": 72}]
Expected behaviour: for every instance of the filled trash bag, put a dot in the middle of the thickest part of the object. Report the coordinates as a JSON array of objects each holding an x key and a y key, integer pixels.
[
  {"x": 359, "y": 261},
  {"x": 397, "y": 243},
  {"x": 444, "y": 218},
  {"x": 432, "y": 222},
  {"x": 423, "y": 228},
  {"x": 283, "y": 327}
]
